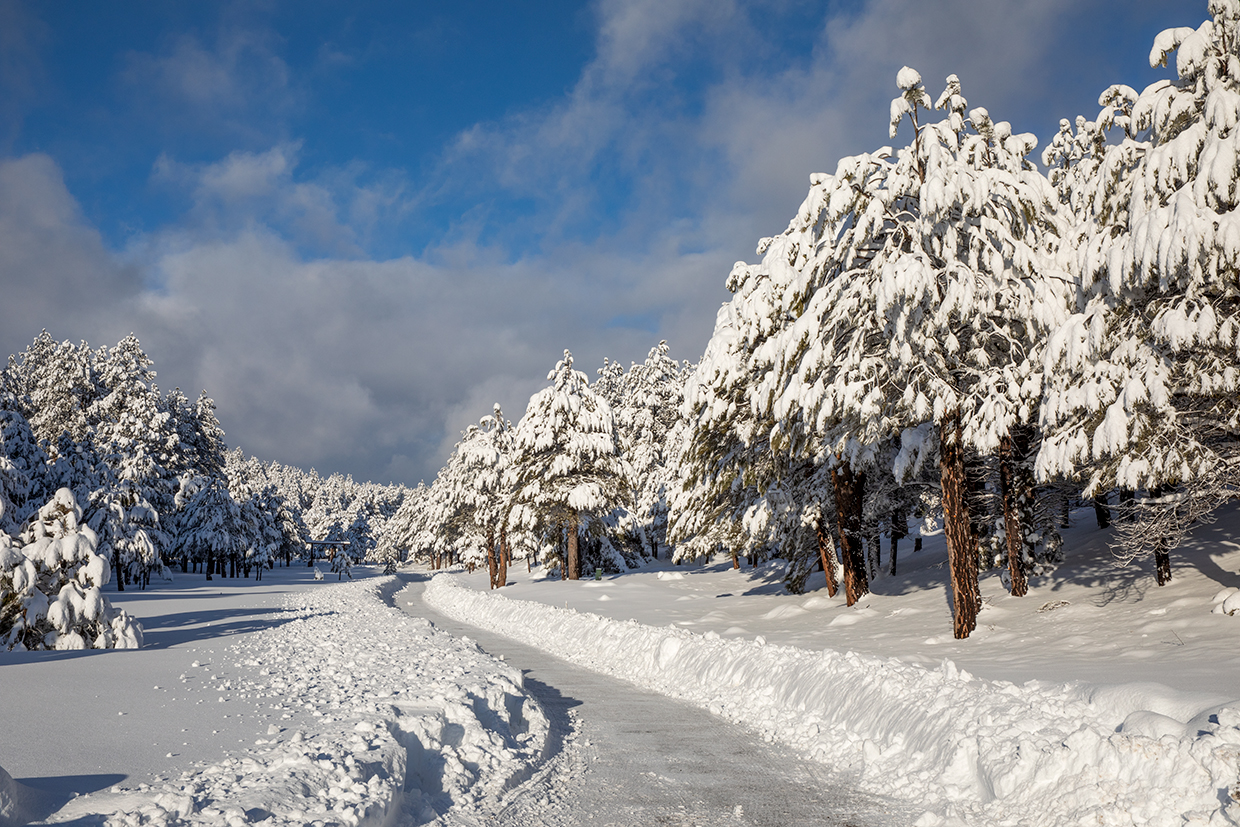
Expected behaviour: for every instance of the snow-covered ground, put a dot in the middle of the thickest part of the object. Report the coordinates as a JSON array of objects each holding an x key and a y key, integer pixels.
[
  {"x": 1099, "y": 698},
  {"x": 286, "y": 702}
]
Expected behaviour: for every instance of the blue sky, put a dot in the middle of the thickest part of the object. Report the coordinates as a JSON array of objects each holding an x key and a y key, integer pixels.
[{"x": 359, "y": 225}]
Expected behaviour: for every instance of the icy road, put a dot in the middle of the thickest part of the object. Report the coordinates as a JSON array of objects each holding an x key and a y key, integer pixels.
[{"x": 619, "y": 755}]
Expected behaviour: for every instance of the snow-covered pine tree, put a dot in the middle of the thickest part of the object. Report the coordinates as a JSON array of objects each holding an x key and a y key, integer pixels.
[
  {"x": 1145, "y": 377},
  {"x": 647, "y": 406},
  {"x": 136, "y": 438},
  {"x": 396, "y": 539},
  {"x": 50, "y": 582},
  {"x": 448, "y": 528},
  {"x": 55, "y": 386},
  {"x": 24, "y": 473},
  {"x": 483, "y": 467},
  {"x": 210, "y": 530},
  {"x": 926, "y": 303},
  {"x": 566, "y": 470}
]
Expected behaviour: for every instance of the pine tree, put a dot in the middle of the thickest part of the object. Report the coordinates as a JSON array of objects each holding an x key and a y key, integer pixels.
[
  {"x": 24, "y": 473},
  {"x": 1145, "y": 377},
  {"x": 647, "y": 404},
  {"x": 566, "y": 470},
  {"x": 927, "y": 304},
  {"x": 50, "y": 582}
]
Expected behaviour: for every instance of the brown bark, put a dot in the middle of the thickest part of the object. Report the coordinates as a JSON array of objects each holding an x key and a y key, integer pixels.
[
  {"x": 736, "y": 561},
  {"x": 574, "y": 559},
  {"x": 961, "y": 557},
  {"x": 1011, "y": 451},
  {"x": 504, "y": 553},
  {"x": 492, "y": 564},
  {"x": 827, "y": 555},
  {"x": 849, "y": 497}
]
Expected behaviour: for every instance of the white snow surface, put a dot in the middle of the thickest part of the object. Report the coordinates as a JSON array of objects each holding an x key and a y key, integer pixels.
[
  {"x": 1073, "y": 723},
  {"x": 378, "y": 718}
]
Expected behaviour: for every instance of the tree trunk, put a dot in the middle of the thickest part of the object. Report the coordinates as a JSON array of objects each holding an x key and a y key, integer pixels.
[
  {"x": 492, "y": 563},
  {"x": 1162, "y": 566},
  {"x": 1101, "y": 512},
  {"x": 826, "y": 554},
  {"x": 966, "y": 595},
  {"x": 1015, "y": 493},
  {"x": 210, "y": 561},
  {"x": 736, "y": 561},
  {"x": 895, "y": 545},
  {"x": 501, "y": 579},
  {"x": 873, "y": 553},
  {"x": 574, "y": 559},
  {"x": 120, "y": 577},
  {"x": 849, "y": 497}
]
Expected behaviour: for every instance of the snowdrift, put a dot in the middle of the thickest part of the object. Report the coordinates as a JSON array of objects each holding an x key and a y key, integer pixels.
[
  {"x": 409, "y": 723},
  {"x": 18, "y": 803},
  {"x": 969, "y": 751}
]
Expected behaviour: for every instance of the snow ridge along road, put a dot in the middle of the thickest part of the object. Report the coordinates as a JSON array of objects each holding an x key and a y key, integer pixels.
[
  {"x": 405, "y": 723},
  {"x": 623, "y": 756},
  {"x": 964, "y": 750}
]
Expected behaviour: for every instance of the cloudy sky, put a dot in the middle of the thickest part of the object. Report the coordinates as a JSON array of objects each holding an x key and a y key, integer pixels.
[{"x": 358, "y": 225}]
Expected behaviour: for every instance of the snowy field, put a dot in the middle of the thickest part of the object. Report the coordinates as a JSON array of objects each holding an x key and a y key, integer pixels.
[
  {"x": 286, "y": 702},
  {"x": 1097, "y": 699}
]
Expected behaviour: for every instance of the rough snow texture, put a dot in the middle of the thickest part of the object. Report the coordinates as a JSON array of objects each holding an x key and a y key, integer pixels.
[
  {"x": 409, "y": 722},
  {"x": 970, "y": 751}
]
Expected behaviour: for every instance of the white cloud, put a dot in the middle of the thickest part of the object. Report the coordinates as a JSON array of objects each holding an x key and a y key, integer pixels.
[
  {"x": 54, "y": 269},
  {"x": 237, "y": 86}
]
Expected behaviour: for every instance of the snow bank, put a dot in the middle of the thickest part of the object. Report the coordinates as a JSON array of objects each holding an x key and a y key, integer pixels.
[
  {"x": 409, "y": 721},
  {"x": 18, "y": 803},
  {"x": 970, "y": 751}
]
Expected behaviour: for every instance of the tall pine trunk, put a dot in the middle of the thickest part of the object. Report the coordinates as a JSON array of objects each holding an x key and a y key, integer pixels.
[
  {"x": 826, "y": 553},
  {"x": 574, "y": 559},
  {"x": 1016, "y": 489},
  {"x": 492, "y": 563},
  {"x": 849, "y": 498},
  {"x": 961, "y": 550},
  {"x": 501, "y": 578}
]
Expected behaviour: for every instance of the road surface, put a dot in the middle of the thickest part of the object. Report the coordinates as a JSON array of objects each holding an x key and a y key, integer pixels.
[{"x": 620, "y": 755}]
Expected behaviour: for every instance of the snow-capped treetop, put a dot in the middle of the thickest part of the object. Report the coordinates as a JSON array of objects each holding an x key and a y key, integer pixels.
[{"x": 915, "y": 287}]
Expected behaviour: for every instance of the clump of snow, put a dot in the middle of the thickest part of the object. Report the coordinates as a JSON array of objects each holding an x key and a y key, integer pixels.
[
  {"x": 1227, "y": 602},
  {"x": 970, "y": 751},
  {"x": 407, "y": 720}
]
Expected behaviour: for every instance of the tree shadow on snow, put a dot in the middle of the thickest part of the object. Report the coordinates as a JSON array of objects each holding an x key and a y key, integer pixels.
[{"x": 164, "y": 631}]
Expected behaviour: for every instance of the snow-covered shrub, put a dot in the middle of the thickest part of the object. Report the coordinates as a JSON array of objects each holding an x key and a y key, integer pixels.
[{"x": 50, "y": 581}]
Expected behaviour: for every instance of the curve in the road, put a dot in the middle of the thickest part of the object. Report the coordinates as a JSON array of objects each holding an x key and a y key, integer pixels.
[{"x": 620, "y": 755}]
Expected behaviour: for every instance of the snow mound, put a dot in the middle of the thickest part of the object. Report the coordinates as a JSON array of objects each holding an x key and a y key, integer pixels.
[
  {"x": 18, "y": 803},
  {"x": 410, "y": 722},
  {"x": 969, "y": 751}
]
